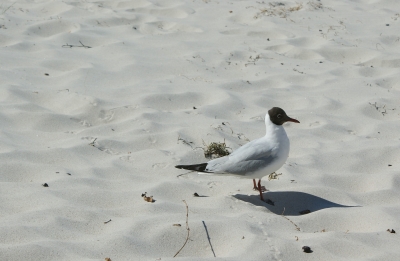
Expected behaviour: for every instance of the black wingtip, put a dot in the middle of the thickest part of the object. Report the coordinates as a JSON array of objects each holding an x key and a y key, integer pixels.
[{"x": 197, "y": 167}]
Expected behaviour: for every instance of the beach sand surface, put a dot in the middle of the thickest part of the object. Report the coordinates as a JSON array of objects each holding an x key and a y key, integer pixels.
[{"x": 99, "y": 100}]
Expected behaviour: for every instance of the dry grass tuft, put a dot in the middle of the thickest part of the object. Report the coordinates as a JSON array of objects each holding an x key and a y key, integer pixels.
[{"x": 215, "y": 150}]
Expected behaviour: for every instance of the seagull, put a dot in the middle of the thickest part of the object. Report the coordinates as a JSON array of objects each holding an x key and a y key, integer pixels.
[{"x": 256, "y": 159}]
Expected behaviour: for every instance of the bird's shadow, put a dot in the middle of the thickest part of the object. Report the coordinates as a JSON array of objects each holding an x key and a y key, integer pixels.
[{"x": 291, "y": 203}]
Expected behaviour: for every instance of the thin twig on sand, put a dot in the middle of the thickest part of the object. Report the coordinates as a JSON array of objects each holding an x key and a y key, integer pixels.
[
  {"x": 187, "y": 228},
  {"x": 185, "y": 141},
  {"x": 70, "y": 45},
  {"x": 208, "y": 237},
  {"x": 5, "y": 10},
  {"x": 297, "y": 227}
]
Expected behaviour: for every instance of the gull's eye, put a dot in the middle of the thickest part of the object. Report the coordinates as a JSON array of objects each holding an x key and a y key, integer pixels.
[{"x": 279, "y": 116}]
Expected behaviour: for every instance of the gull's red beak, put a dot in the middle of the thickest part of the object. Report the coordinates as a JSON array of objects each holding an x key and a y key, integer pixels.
[{"x": 292, "y": 120}]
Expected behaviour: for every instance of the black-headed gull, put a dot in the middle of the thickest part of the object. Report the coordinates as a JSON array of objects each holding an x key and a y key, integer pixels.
[{"x": 256, "y": 159}]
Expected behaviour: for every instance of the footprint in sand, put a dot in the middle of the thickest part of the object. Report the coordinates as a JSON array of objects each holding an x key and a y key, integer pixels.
[
  {"x": 173, "y": 102},
  {"x": 108, "y": 150},
  {"x": 155, "y": 20},
  {"x": 164, "y": 27},
  {"x": 52, "y": 27},
  {"x": 106, "y": 115},
  {"x": 127, "y": 158},
  {"x": 162, "y": 165},
  {"x": 84, "y": 123}
]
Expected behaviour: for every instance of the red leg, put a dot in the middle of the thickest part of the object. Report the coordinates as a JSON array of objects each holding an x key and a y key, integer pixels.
[
  {"x": 255, "y": 186},
  {"x": 259, "y": 189},
  {"x": 263, "y": 189}
]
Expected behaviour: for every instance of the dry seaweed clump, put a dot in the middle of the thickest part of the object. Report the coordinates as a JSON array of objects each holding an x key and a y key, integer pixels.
[
  {"x": 215, "y": 150},
  {"x": 146, "y": 198},
  {"x": 273, "y": 175}
]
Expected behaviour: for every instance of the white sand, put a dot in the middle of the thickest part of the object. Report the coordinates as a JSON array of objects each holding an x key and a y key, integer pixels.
[{"x": 333, "y": 65}]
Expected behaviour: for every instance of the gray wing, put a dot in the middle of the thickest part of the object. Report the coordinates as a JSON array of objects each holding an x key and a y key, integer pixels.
[{"x": 251, "y": 157}]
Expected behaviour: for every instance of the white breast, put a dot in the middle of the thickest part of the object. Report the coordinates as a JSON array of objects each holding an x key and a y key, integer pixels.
[{"x": 280, "y": 146}]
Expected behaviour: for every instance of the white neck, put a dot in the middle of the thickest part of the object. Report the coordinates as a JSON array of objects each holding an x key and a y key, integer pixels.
[{"x": 273, "y": 129}]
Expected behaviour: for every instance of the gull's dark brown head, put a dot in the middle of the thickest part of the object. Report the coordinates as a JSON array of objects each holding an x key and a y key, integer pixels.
[{"x": 279, "y": 117}]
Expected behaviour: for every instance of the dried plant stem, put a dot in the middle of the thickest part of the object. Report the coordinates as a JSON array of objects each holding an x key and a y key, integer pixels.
[
  {"x": 8, "y": 8},
  {"x": 297, "y": 227},
  {"x": 187, "y": 228},
  {"x": 208, "y": 237}
]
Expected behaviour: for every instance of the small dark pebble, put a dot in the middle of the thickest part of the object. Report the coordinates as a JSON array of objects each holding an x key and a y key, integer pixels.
[
  {"x": 307, "y": 249},
  {"x": 45, "y": 185},
  {"x": 391, "y": 231},
  {"x": 267, "y": 39},
  {"x": 69, "y": 174},
  {"x": 281, "y": 63},
  {"x": 194, "y": 108},
  {"x": 387, "y": 24},
  {"x": 196, "y": 195},
  {"x": 46, "y": 74},
  {"x": 268, "y": 201},
  {"x": 390, "y": 165},
  {"x": 306, "y": 211}
]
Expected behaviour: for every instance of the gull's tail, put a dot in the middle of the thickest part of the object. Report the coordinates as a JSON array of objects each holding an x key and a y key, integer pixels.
[{"x": 196, "y": 167}]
